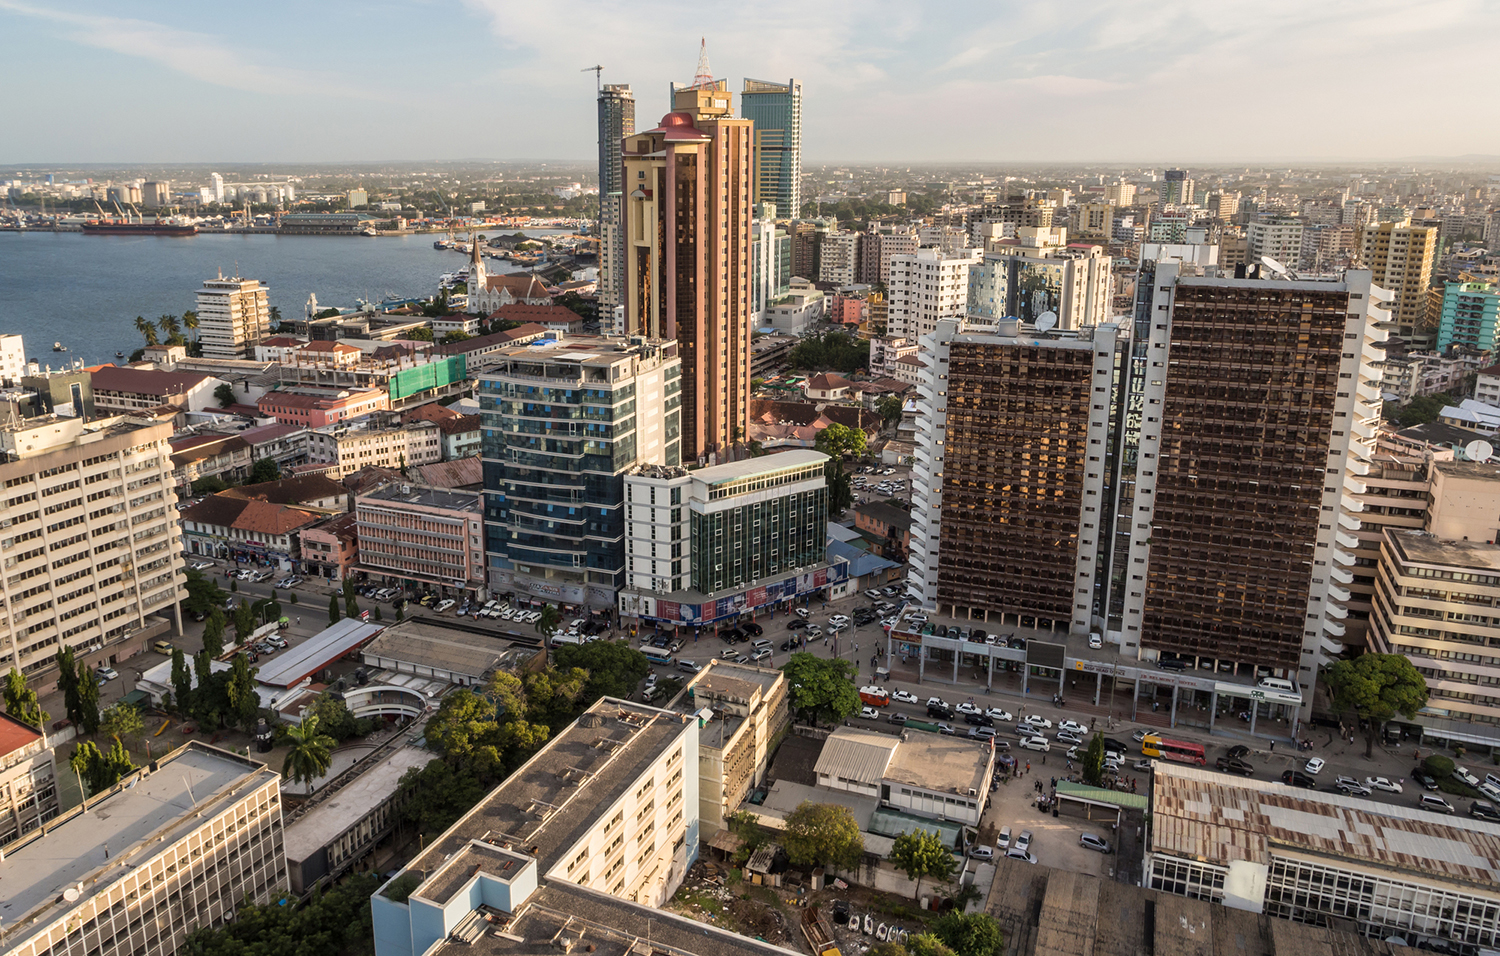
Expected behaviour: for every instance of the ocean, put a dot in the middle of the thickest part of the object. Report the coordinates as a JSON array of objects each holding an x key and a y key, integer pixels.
[{"x": 86, "y": 291}]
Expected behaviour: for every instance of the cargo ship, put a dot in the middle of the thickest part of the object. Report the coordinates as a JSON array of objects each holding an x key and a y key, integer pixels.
[{"x": 106, "y": 227}]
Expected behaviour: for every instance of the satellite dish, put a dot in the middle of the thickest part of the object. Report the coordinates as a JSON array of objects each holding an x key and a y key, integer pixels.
[
  {"x": 1046, "y": 321},
  {"x": 1273, "y": 265},
  {"x": 1479, "y": 450},
  {"x": 71, "y": 894}
]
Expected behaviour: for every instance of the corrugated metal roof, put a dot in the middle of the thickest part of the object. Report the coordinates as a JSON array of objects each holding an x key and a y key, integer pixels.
[
  {"x": 1201, "y": 815},
  {"x": 859, "y": 755}
]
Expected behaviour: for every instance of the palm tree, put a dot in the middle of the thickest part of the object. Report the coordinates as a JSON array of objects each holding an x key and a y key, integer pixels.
[
  {"x": 190, "y": 320},
  {"x": 546, "y": 625},
  {"x": 171, "y": 328},
  {"x": 146, "y": 329},
  {"x": 311, "y": 751}
]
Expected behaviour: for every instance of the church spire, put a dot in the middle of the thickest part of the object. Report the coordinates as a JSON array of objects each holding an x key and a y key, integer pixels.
[{"x": 476, "y": 272}]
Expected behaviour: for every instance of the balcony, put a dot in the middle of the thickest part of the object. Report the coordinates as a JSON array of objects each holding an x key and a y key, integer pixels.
[
  {"x": 1359, "y": 467},
  {"x": 1340, "y": 575},
  {"x": 1338, "y": 594},
  {"x": 1349, "y": 522},
  {"x": 1334, "y": 628},
  {"x": 1347, "y": 540},
  {"x": 1355, "y": 486},
  {"x": 1343, "y": 557}
]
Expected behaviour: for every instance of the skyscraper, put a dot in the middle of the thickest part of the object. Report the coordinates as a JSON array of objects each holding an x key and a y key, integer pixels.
[
  {"x": 233, "y": 316},
  {"x": 1177, "y": 187},
  {"x": 1400, "y": 255},
  {"x": 616, "y": 121},
  {"x": 687, "y": 250},
  {"x": 776, "y": 111}
]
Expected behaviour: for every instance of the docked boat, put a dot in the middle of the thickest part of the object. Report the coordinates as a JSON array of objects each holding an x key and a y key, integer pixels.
[
  {"x": 112, "y": 227},
  {"x": 59, "y": 347}
]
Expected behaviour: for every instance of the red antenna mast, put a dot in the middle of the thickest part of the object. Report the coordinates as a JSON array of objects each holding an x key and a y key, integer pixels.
[{"x": 704, "y": 79}]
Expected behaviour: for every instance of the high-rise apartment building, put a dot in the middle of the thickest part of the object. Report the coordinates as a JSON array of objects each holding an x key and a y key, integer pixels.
[
  {"x": 91, "y": 542},
  {"x": 1469, "y": 314},
  {"x": 838, "y": 260},
  {"x": 434, "y": 536},
  {"x": 1400, "y": 255},
  {"x": 879, "y": 244},
  {"x": 562, "y": 425},
  {"x": 927, "y": 287},
  {"x": 1074, "y": 284},
  {"x": 1120, "y": 194},
  {"x": 616, "y": 121},
  {"x": 1094, "y": 220},
  {"x": 1011, "y": 468},
  {"x": 233, "y": 317},
  {"x": 173, "y": 847},
  {"x": 1176, "y": 188},
  {"x": 1257, "y": 417},
  {"x": 688, "y": 230},
  {"x": 770, "y": 262},
  {"x": 1278, "y": 238},
  {"x": 734, "y": 751},
  {"x": 776, "y": 111}
]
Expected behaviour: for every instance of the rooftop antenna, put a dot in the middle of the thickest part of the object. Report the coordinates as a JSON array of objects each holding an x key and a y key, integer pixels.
[
  {"x": 704, "y": 78},
  {"x": 598, "y": 77}
]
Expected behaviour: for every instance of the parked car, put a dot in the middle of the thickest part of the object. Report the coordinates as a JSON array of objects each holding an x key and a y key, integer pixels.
[
  {"x": 896, "y": 717},
  {"x": 869, "y": 713},
  {"x": 443, "y": 605},
  {"x": 1235, "y": 765},
  {"x": 1238, "y": 750},
  {"x": 1014, "y": 854},
  {"x": 1143, "y": 765},
  {"x": 1484, "y": 810},
  {"x": 905, "y": 697},
  {"x": 1072, "y": 727},
  {"x": 1113, "y": 746},
  {"x": 978, "y": 720},
  {"x": 1023, "y": 841},
  {"x": 763, "y": 654},
  {"x": 791, "y": 643},
  {"x": 753, "y": 629},
  {"x": 947, "y": 730},
  {"x": 1314, "y": 765},
  {"x": 1138, "y": 736},
  {"x": 200, "y": 565},
  {"x": 796, "y": 625},
  {"x": 1350, "y": 787},
  {"x": 968, "y": 708},
  {"x": 1003, "y": 840},
  {"x": 1435, "y": 803},
  {"x": 939, "y": 702},
  {"x": 1092, "y": 841},
  {"x": 1424, "y": 779},
  {"x": 1064, "y": 737},
  {"x": 107, "y": 673},
  {"x": 981, "y": 733},
  {"x": 1297, "y": 778},
  {"x": 1383, "y": 783},
  {"x": 1036, "y": 720},
  {"x": 999, "y": 713},
  {"x": 981, "y": 852},
  {"x": 1037, "y": 743}
]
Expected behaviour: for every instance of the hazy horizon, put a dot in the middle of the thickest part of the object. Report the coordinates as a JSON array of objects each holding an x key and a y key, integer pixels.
[{"x": 1125, "y": 82}]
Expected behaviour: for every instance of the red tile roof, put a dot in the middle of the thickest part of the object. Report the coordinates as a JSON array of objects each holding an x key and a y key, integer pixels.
[
  {"x": 259, "y": 517},
  {"x": 14, "y": 735},
  {"x": 140, "y": 381},
  {"x": 521, "y": 312},
  {"x": 522, "y": 285}
]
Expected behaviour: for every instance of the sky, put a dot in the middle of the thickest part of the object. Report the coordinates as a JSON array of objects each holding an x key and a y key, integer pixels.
[{"x": 1144, "y": 81}]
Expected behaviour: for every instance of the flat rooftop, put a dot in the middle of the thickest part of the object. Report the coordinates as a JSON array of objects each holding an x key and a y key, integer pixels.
[
  {"x": 1473, "y": 470},
  {"x": 1211, "y": 817},
  {"x": 117, "y": 833},
  {"x": 720, "y": 683},
  {"x": 547, "y": 805},
  {"x": 350, "y": 803},
  {"x": 425, "y": 497},
  {"x": 938, "y": 762},
  {"x": 1421, "y": 548},
  {"x": 605, "y": 926},
  {"x": 761, "y": 465},
  {"x": 422, "y": 643}
]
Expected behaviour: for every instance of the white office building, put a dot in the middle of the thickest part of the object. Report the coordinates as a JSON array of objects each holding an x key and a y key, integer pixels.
[
  {"x": 234, "y": 315},
  {"x": 926, "y": 287}
]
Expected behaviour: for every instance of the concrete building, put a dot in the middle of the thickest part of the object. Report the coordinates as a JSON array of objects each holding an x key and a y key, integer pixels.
[
  {"x": 1469, "y": 313},
  {"x": 1487, "y": 385},
  {"x": 725, "y": 527},
  {"x": 12, "y": 359},
  {"x": 879, "y": 244},
  {"x": 1094, "y": 220},
  {"x": 562, "y": 424},
  {"x": 750, "y": 713},
  {"x": 770, "y": 265},
  {"x": 1464, "y": 501},
  {"x": 409, "y": 533},
  {"x": 233, "y": 316},
  {"x": 121, "y": 390},
  {"x": 314, "y": 408},
  {"x": 925, "y": 775},
  {"x": 1176, "y": 187},
  {"x": 156, "y": 193},
  {"x": 173, "y": 847},
  {"x": 1393, "y": 872},
  {"x": 376, "y": 440},
  {"x": 330, "y": 550},
  {"x": 886, "y": 350},
  {"x": 609, "y": 805},
  {"x": 616, "y": 121},
  {"x": 1278, "y": 238},
  {"x": 1400, "y": 256},
  {"x": 93, "y": 553},
  {"x": 1010, "y": 477},
  {"x": 927, "y": 287},
  {"x": 687, "y": 223},
  {"x": 1120, "y": 194},
  {"x": 776, "y": 111},
  {"x": 838, "y": 261},
  {"x": 240, "y": 529},
  {"x": 1264, "y": 504},
  {"x": 28, "y": 780},
  {"x": 1015, "y": 280},
  {"x": 1395, "y": 497}
]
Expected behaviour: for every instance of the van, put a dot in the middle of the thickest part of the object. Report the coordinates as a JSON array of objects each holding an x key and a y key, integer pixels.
[
  {"x": 658, "y": 656},
  {"x": 688, "y": 666},
  {"x": 162, "y": 647},
  {"x": 763, "y": 645},
  {"x": 1277, "y": 683}
]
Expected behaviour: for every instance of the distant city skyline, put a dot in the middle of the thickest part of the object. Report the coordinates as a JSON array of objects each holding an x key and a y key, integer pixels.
[{"x": 1122, "y": 81}]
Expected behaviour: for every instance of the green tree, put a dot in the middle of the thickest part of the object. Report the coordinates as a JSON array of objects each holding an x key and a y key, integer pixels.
[
  {"x": 822, "y": 688},
  {"x": 244, "y": 703},
  {"x": 969, "y": 934},
  {"x": 926, "y": 944},
  {"x": 190, "y": 321},
  {"x": 420, "y": 335},
  {"x": 123, "y": 722},
  {"x": 182, "y": 680},
  {"x": 245, "y": 621},
  {"x": 211, "y": 485},
  {"x": 67, "y": 682},
  {"x": 202, "y": 670},
  {"x": 888, "y": 407},
  {"x": 311, "y": 752},
  {"x": 615, "y": 668},
  {"x": 833, "y": 350},
  {"x": 1376, "y": 687},
  {"x": 1093, "y": 762},
  {"x": 440, "y": 794},
  {"x": 837, "y": 441},
  {"x": 746, "y": 826},
  {"x": 335, "y": 921},
  {"x": 1438, "y": 765},
  {"x": 147, "y": 329},
  {"x": 213, "y": 632},
  {"x": 100, "y": 771},
  {"x": 546, "y": 625},
  {"x": 335, "y": 717},
  {"x": 920, "y": 854},
  {"x": 457, "y": 335},
  {"x": 224, "y": 394},
  {"x": 333, "y": 609},
  {"x": 823, "y": 834},
  {"x": 171, "y": 327},
  {"x": 351, "y": 598},
  {"x": 21, "y": 701},
  {"x": 88, "y": 701},
  {"x": 264, "y": 469},
  {"x": 204, "y": 594}
]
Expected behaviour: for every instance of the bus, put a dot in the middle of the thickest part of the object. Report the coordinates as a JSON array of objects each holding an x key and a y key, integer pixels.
[
  {"x": 657, "y": 655},
  {"x": 1179, "y": 751}
]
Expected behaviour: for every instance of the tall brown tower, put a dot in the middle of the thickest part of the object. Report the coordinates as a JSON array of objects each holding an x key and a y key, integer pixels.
[{"x": 687, "y": 190}]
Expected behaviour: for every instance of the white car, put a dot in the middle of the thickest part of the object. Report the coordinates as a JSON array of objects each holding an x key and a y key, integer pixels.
[
  {"x": 444, "y": 605},
  {"x": 1095, "y": 641},
  {"x": 1383, "y": 783},
  {"x": 1314, "y": 765},
  {"x": 200, "y": 565},
  {"x": 967, "y": 708},
  {"x": 802, "y": 612},
  {"x": 507, "y": 613},
  {"x": 1064, "y": 737},
  {"x": 1037, "y": 743},
  {"x": 869, "y": 713},
  {"x": 905, "y": 696},
  {"x": 1037, "y": 721},
  {"x": 938, "y": 702},
  {"x": 1003, "y": 840},
  {"x": 918, "y": 619},
  {"x": 997, "y": 713},
  {"x": 1072, "y": 727},
  {"x": 873, "y": 594}
]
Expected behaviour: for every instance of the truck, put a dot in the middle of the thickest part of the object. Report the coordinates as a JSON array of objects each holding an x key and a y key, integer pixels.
[
  {"x": 819, "y": 934},
  {"x": 874, "y": 696}
]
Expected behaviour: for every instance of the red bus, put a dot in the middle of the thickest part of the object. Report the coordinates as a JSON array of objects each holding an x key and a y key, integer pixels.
[{"x": 1178, "y": 751}]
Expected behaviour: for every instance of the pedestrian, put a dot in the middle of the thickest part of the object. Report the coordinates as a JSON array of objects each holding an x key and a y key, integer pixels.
[
  {"x": 1028, "y": 766},
  {"x": 1054, "y": 783},
  {"x": 1273, "y": 746},
  {"x": 299, "y": 622},
  {"x": 1070, "y": 766},
  {"x": 1044, "y": 760}
]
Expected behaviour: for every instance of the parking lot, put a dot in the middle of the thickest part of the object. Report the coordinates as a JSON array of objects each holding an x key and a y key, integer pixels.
[
  {"x": 1054, "y": 839},
  {"x": 881, "y": 483}
]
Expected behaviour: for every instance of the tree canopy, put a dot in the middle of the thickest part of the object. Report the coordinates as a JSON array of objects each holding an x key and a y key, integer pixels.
[
  {"x": 334, "y": 921},
  {"x": 889, "y": 408},
  {"x": 21, "y": 701},
  {"x": 920, "y": 854},
  {"x": 840, "y": 440},
  {"x": 969, "y": 934},
  {"x": 615, "y": 668},
  {"x": 822, "y": 689},
  {"x": 264, "y": 469},
  {"x": 823, "y": 834},
  {"x": 831, "y": 351},
  {"x": 1093, "y": 761},
  {"x": 1377, "y": 687}
]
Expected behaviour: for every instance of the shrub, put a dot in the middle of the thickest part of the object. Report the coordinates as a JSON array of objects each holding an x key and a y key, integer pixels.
[{"x": 1438, "y": 765}]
